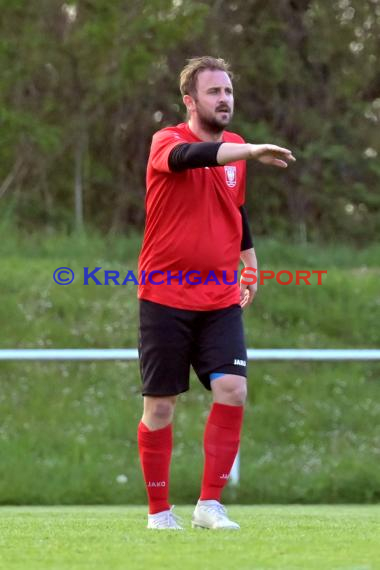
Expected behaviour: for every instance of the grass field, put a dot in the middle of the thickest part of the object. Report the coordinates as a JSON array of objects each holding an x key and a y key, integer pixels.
[
  {"x": 115, "y": 538},
  {"x": 311, "y": 430}
]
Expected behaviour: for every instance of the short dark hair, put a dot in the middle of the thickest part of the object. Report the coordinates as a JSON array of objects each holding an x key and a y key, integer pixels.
[{"x": 189, "y": 74}]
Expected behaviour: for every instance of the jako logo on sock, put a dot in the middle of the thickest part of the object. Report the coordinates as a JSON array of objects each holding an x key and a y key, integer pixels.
[{"x": 156, "y": 483}]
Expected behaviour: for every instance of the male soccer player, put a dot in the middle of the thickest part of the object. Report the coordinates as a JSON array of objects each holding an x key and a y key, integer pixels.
[{"x": 196, "y": 224}]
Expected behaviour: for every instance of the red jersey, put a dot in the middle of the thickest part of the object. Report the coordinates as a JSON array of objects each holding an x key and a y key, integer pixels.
[{"x": 193, "y": 227}]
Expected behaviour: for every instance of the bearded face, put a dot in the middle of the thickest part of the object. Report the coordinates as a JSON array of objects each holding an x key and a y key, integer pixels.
[
  {"x": 214, "y": 120},
  {"x": 212, "y": 104}
]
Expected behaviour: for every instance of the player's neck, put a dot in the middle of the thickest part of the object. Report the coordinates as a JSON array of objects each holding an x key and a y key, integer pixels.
[{"x": 203, "y": 134}]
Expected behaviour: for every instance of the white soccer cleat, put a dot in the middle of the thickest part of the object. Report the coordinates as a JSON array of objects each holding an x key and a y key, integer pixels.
[
  {"x": 165, "y": 520},
  {"x": 212, "y": 514}
]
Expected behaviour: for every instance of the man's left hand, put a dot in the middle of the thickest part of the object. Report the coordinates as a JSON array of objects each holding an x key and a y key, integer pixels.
[{"x": 247, "y": 294}]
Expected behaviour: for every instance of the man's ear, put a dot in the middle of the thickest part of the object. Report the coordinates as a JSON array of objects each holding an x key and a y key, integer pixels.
[{"x": 189, "y": 103}]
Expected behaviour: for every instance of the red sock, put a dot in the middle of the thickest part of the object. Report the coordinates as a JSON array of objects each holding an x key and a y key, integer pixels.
[
  {"x": 155, "y": 449},
  {"x": 221, "y": 444}
]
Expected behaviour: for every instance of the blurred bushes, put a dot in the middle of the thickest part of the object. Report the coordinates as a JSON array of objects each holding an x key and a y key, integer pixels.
[{"x": 86, "y": 84}]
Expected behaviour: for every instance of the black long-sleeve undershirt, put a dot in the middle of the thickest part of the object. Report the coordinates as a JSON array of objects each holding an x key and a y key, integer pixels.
[
  {"x": 246, "y": 239},
  {"x": 199, "y": 155},
  {"x": 193, "y": 155}
]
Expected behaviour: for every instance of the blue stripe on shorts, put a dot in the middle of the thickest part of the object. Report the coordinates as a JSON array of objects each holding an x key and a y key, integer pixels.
[{"x": 215, "y": 375}]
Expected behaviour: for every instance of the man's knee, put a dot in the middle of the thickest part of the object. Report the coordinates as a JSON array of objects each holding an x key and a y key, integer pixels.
[
  {"x": 230, "y": 389},
  {"x": 239, "y": 394},
  {"x": 162, "y": 409},
  {"x": 159, "y": 411}
]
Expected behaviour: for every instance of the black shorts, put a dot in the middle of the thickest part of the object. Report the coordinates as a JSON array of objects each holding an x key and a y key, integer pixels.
[{"x": 170, "y": 340}]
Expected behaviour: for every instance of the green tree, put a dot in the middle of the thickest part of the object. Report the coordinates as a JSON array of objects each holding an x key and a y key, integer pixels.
[{"x": 86, "y": 84}]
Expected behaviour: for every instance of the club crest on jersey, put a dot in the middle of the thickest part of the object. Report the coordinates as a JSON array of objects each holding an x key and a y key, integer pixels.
[{"x": 230, "y": 176}]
